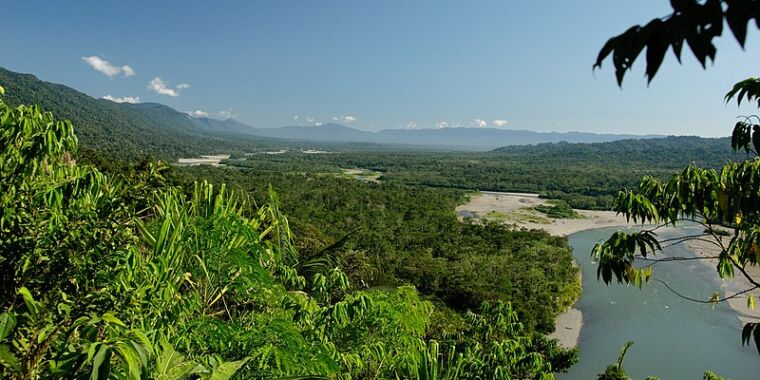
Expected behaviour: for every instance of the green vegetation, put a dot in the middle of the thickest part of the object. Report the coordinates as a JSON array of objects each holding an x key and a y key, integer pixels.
[
  {"x": 398, "y": 234},
  {"x": 585, "y": 176},
  {"x": 728, "y": 196},
  {"x": 120, "y": 275},
  {"x": 574, "y": 173},
  {"x": 118, "y": 131},
  {"x": 558, "y": 210},
  {"x": 526, "y": 214}
]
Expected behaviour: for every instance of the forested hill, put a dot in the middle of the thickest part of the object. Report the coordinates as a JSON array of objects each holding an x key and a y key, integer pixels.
[
  {"x": 665, "y": 153},
  {"x": 124, "y": 130}
]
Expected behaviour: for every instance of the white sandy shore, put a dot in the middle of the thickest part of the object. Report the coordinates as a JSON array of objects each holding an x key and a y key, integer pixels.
[
  {"x": 568, "y": 327},
  {"x": 569, "y": 323},
  {"x": 505, "y": 203},
  {"x": 731, "y": 286}
]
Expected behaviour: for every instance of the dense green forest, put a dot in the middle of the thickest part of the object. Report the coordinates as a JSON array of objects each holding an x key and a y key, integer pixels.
[
  {"x": 585, "y": 175},
  {"x": 398, "y": 234},
  {"x": 119, "y": 274}
]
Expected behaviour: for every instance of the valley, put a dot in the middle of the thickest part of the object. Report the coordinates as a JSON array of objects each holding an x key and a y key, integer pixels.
[{"x": 395, "y": 190}]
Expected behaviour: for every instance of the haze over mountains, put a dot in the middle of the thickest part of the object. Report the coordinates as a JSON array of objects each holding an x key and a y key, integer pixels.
[
  {"x": 454, "y": 138},
  {"x": 151, "y": 128}
]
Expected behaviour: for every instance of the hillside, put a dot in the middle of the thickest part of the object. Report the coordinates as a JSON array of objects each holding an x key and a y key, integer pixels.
[
  {"x": 671, "y": 152},
  {"x": 121, "y": 129}
]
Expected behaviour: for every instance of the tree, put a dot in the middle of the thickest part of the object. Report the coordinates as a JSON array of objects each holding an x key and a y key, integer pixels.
[
  {"x": 692, "y": 22},
  {"x": 729, "y": 197}
]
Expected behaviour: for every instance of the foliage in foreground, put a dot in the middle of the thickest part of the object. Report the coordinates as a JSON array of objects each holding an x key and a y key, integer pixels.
[
  {"x": 401, "y": 234},
  {"x": 727, "y": 197},
  {"x": 121, "y": 276}
]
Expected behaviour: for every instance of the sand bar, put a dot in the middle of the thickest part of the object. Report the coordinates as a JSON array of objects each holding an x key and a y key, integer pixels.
[
  {"x": 734, "y": 285},
  {"x": 515, "y": 209}
]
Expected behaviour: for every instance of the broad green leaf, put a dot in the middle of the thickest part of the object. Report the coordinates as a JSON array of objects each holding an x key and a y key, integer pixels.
[
  {"x": 108, "y": 317},
  {"x": 7, "y": 323},
  {"x": 101, "y": 365},
  {"x": 31, "y": 304},
  {"x": 172, "y": 365},
  {"x": 7, "y": 358},
  {"x": 225, "y": 371}
]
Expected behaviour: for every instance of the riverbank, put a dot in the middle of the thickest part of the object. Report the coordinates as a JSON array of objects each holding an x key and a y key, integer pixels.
[
  {"x": 518, "y": 209},
  {"x": 731, "y": 286}
]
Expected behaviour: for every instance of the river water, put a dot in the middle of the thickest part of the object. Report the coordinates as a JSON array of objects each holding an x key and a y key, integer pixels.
[{"x": 673, "y": 338}]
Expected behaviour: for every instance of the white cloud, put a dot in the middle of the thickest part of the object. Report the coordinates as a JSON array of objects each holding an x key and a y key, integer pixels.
[
  {"x": 126, "y": 99},
  {"x": 345, "y": 119},
  {"x": 441, "y": 124},
  {"x": 198, "y": 113},
  {"x": 107, "y": 68},
  {"x": 158, "y": 86},
  {"x": 480, "y": 123},
  {"x": 500, "y": 123},
  {"x": 226, "y": 114},
  {"x": 128, "y": 71}
]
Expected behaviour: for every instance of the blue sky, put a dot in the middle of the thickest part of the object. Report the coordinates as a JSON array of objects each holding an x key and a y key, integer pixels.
[{"x": 376, "y": 64}]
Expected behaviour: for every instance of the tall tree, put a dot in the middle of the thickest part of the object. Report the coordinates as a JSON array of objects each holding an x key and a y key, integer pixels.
[{"x": 724, "y": 198}]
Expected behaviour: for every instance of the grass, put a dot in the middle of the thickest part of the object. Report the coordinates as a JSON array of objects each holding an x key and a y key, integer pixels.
[
  {"x": 523, "y": 215},
  {"x": 361, "y": 174},
  {"x": 556, "y": 209}
]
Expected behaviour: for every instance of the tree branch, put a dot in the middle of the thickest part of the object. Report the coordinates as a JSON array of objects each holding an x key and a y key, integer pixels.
[{"x": 711, "y": 301}]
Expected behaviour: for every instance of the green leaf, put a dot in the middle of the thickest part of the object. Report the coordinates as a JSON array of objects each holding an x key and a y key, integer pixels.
[
  {"x": 7, "y": 323},
  {"x": 31, "y": 304},
  {"x": 108, "y": 317},
  {"x": 172, "y": 365},
  {"x": 7, "y": 358},
  {"x": 101, "y": 365}
]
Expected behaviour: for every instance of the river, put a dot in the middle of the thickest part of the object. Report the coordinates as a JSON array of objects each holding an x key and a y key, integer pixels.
[{"x": 673, "y": 338}]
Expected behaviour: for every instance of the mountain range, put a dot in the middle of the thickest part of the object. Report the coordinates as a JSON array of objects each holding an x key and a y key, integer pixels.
[{"x": 134, "y": 130}]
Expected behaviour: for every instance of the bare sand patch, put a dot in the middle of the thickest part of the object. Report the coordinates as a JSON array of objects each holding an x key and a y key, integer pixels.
[
  {"x": 511, "y": 207},
  {"x": 568, "y": 328},
  {"x": 731, "y": 285},
  {"x": 213, "y": 160}
]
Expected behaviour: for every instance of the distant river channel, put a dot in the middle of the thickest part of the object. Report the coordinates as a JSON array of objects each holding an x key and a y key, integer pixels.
[{"x": 673, "y": 338}]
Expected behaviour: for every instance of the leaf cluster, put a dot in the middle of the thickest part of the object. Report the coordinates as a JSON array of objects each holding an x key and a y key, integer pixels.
[{"x": 692, "y": 23}]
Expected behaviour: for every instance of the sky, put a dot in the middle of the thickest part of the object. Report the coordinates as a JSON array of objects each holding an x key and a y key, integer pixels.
[{"x": 376, "y": 64}]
